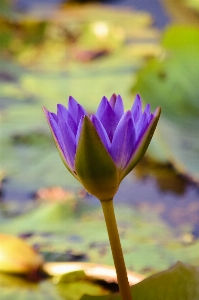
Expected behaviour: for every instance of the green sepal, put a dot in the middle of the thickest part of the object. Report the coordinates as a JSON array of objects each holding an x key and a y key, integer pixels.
[
  {"x": 143, "y": 145},
  {"x": 94, "y": 166}
]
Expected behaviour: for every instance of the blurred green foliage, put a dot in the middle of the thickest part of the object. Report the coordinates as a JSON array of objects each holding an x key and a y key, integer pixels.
[{"x": 171, "y": 82}]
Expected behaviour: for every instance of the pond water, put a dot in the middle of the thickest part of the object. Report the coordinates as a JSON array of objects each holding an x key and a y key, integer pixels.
[
  {"x": 161, "y": 190},
  {"x": 151, "y": 187}
]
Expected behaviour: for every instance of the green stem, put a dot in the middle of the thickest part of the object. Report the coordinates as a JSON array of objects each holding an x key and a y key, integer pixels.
[{"x": 116, "y": 248}]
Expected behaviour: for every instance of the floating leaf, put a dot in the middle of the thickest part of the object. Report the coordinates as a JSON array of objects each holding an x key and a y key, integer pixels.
[
  {"x": 179, "y": 282},
  {"x": 48, "y": 289},
  {"x": 23, "y": 289},
  {"x": 16, "y": 256},
  {"x": 54, "y": 229}
]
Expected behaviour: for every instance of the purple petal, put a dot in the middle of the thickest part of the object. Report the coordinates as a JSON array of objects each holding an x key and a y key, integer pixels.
[
  {"x": 107, "y": 117},
  {"x": 112, "y": 100},
  {"x": 79, "y": 130},
  {"x": 101, "y": 131},
  {"x": 147, "y": 110},
  {"x": 75, "y": 109},
  {"x": 140, "y": 126},
  {"x": 123, "y": 141},
  {"x": 142, "y": 144},
  {"x": 80, "y": 112},
  {"x": 69, "y": 143},
  {"x": 136, "y": 109},
  {"x": 119, "y": 107},
  {"x": 56, "y": 132},
  {"x": 102, "y": 107},
  {"x": 64, "y": 114},
  {"x": 54, "y": 116}
]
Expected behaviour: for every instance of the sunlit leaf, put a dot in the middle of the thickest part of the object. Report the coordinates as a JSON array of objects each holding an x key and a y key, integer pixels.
[{"x": 180, "y": 282}]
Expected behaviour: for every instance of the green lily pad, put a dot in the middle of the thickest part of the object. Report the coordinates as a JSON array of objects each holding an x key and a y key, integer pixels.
[
  {"x": 179, "y": 282},
  {"x": 55, "y": 289},
  {"x": 54, "y": 229},
  {"x": 26, "y": 290}
]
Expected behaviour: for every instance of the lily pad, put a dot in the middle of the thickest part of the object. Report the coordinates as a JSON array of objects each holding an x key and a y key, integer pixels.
[
  {"x": 48, "y": 289},
  {"x": 179, "y": 282},
  {"x": 183, "y": 11},
  {"x": 54, "y": 230}
]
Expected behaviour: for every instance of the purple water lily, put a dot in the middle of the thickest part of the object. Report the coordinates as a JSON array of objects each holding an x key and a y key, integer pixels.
[{"x": 111, "y": 138}]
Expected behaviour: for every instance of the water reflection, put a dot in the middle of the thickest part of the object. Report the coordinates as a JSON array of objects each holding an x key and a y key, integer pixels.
[{"x": 158, "y": 188}]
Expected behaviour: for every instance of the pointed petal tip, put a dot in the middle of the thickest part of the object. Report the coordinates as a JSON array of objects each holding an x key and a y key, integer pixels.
[
  {"x": 62, "y": 111},
  {"x": 147, "y": 109},
  {"x": 113, "y": 96},
  {"x": 137, "y": 102},
  {"x": 138, "y": 98},
  {"x": 60, "y": 105},
  {"x": 86, "y": 119},
  {"x": 119, "y": 97},
  {"x": 44, "y": 109},
  {"x": 71, "y": 99},
  {"x": 157, "y": 112},
  {"x": 104, "y": 101},
  {"x": 46, "y": 113}
]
